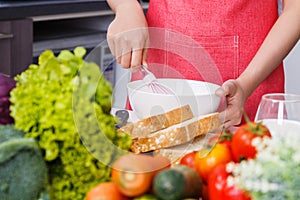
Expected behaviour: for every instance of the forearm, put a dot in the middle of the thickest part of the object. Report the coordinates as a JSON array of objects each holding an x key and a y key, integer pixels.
[
  {"x": 115, "y": 4},
  {"x": 278, "y": 43}
]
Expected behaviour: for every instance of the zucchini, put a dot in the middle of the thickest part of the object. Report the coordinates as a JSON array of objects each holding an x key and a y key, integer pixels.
[
  {"x": 177, "y": 183},
  {"x": 146, "y": 197}
]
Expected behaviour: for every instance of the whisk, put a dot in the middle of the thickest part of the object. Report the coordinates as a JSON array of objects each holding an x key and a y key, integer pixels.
[{"x": 151, "y": 81}]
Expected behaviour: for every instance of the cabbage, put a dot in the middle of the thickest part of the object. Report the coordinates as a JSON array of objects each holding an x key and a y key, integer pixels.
[
  {"x": 6, "y": 85},
  {"x": 47, "y": 101}
]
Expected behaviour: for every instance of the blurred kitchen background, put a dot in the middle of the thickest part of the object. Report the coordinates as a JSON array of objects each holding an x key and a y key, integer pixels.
[{"x": 29, "y": 27}]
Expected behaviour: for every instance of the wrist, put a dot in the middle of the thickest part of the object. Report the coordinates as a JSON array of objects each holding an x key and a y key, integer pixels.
[
  {"x": 246, "y": 86},
  {"x": 125, "y": 5}
]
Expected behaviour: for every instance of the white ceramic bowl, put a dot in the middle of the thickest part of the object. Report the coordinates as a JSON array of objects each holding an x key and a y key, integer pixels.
[{"x": 199, "y": 95}]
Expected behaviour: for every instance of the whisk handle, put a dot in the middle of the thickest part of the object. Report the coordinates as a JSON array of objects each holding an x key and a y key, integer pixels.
[{"x": 148, "y": 76}]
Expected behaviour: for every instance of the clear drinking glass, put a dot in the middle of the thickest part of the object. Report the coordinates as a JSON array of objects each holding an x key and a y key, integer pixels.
[{"x": 280, "y": 112}]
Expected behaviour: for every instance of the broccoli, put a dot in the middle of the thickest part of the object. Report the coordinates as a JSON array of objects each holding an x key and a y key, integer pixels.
[{"x": 23, "y": 171}]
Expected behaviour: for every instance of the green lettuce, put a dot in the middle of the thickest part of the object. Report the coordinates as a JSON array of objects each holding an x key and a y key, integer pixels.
[{"x": 64, "y": 103}]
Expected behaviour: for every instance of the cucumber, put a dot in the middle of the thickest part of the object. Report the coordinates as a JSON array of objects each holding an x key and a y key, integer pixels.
[
  {"x": 169, "y": 185},
  {"x": 177, "y": 183}
]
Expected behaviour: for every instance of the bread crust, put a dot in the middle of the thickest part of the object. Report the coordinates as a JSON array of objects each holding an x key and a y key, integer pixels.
[
  {"x": 177, "y": 134},
  {"x": 155, "y": 123}
]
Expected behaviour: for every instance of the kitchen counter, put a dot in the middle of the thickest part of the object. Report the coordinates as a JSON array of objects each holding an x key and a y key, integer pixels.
[{"x": 14, "y": 9}]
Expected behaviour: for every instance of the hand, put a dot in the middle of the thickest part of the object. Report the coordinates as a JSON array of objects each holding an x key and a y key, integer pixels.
[
  {"x": 235, "y": 99},
  {"x": 128, "y": 36}
]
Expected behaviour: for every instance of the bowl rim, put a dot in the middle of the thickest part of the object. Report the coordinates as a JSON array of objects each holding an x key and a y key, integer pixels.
[{"x": 133, "y": 86}]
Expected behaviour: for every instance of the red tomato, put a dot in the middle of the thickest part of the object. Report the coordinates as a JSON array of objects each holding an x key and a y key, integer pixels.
[
  {"x": 241, "y": 146},
  {"x": 234, "y": 193},
  {"x": 219, "y": 189},
  {"x": 205, "y": 165},
  {"x": 188, "y": 159},
  {"x": 216, "y": 183}
]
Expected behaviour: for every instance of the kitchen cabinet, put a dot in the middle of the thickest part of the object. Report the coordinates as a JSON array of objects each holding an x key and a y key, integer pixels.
[
  {"x": 27, "y": 28},
  {"x": 67, "y": 33},
  {"x": 16, "y": 38}
]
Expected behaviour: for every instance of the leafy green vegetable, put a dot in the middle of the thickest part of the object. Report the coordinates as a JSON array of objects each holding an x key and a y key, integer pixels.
[
  {"x": 8, "y": 131},
  {"x": 23, "y": 170},
  {"x": 64, "y": 103}
]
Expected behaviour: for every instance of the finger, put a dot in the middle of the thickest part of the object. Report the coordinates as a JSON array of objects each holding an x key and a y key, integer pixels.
[
  {"x": 229, "y": 117},
  {"x": 231, "y": 123},
  {"x": 111, "y": 45},
  {"x": 228, "y": 124},
  {"x": 124, "y": 51},
  {"x": 126, "y": 59},
  {"x": 229, "y": 87},
  {"x": 136, "y": 58},
  {"x": 119, "y": 60},
  {"x": 113, "y": 51},
  {"x": 222, "y": 117},
  {"x": 118, "y": 50},
  {"x": 135, "y": 69},
  {"x": 220, "y": 92},
  {"x": 145, "y": 50},
  {"x": 144, "y": 56},
  {"x": 110, "y": 40}
]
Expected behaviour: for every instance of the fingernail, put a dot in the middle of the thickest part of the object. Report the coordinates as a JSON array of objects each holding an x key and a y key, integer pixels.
[
  {"x": 219, "y": 92},
  {"x": 145, "y": 63}
]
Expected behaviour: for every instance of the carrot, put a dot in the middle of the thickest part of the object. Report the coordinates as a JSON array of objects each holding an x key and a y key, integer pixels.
[
  {"x": 104, "y": 191},
  {"x": 133, "y": 173}
]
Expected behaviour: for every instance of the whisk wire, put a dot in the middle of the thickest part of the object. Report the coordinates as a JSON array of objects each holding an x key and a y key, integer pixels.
[{"x": 151, "y": 81}]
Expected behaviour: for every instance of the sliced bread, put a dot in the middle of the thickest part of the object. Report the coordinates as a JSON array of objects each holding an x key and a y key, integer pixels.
[
  {"x": 155, "y": 123},
  {"x": 175, "y": 153},
  {"x": 176, "y": 134}
]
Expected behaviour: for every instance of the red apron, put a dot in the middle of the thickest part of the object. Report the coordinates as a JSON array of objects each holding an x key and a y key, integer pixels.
[{"x": 230, "y": 32}]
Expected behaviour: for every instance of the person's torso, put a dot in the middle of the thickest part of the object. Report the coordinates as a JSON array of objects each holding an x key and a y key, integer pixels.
[{"x": 229, "y": 32}]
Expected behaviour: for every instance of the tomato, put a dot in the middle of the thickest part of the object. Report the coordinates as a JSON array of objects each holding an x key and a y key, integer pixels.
[
  {"x": 234, "y": 193},
  {"x": 225, "y": 138},
  {"x": 104, "y": 191},
  {"x": 205, "y": 165},
  {"x": 216, "y": 182},
  {"x": 218, "y": 187},
  {"x": 188, "y": 159},
  {"x": 204, "y": 193},
  {"x": 241, "y": 146}
]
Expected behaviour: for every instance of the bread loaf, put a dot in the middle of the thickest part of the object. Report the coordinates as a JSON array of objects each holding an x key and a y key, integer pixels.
[
  {"x": 176, "y": 134},
  {"x": 175, "y": 153},
  {"x": 155, "y": 123}
]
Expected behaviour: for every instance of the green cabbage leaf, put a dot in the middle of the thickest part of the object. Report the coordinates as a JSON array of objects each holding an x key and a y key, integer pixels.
[{"x": 64, "y": 103}]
